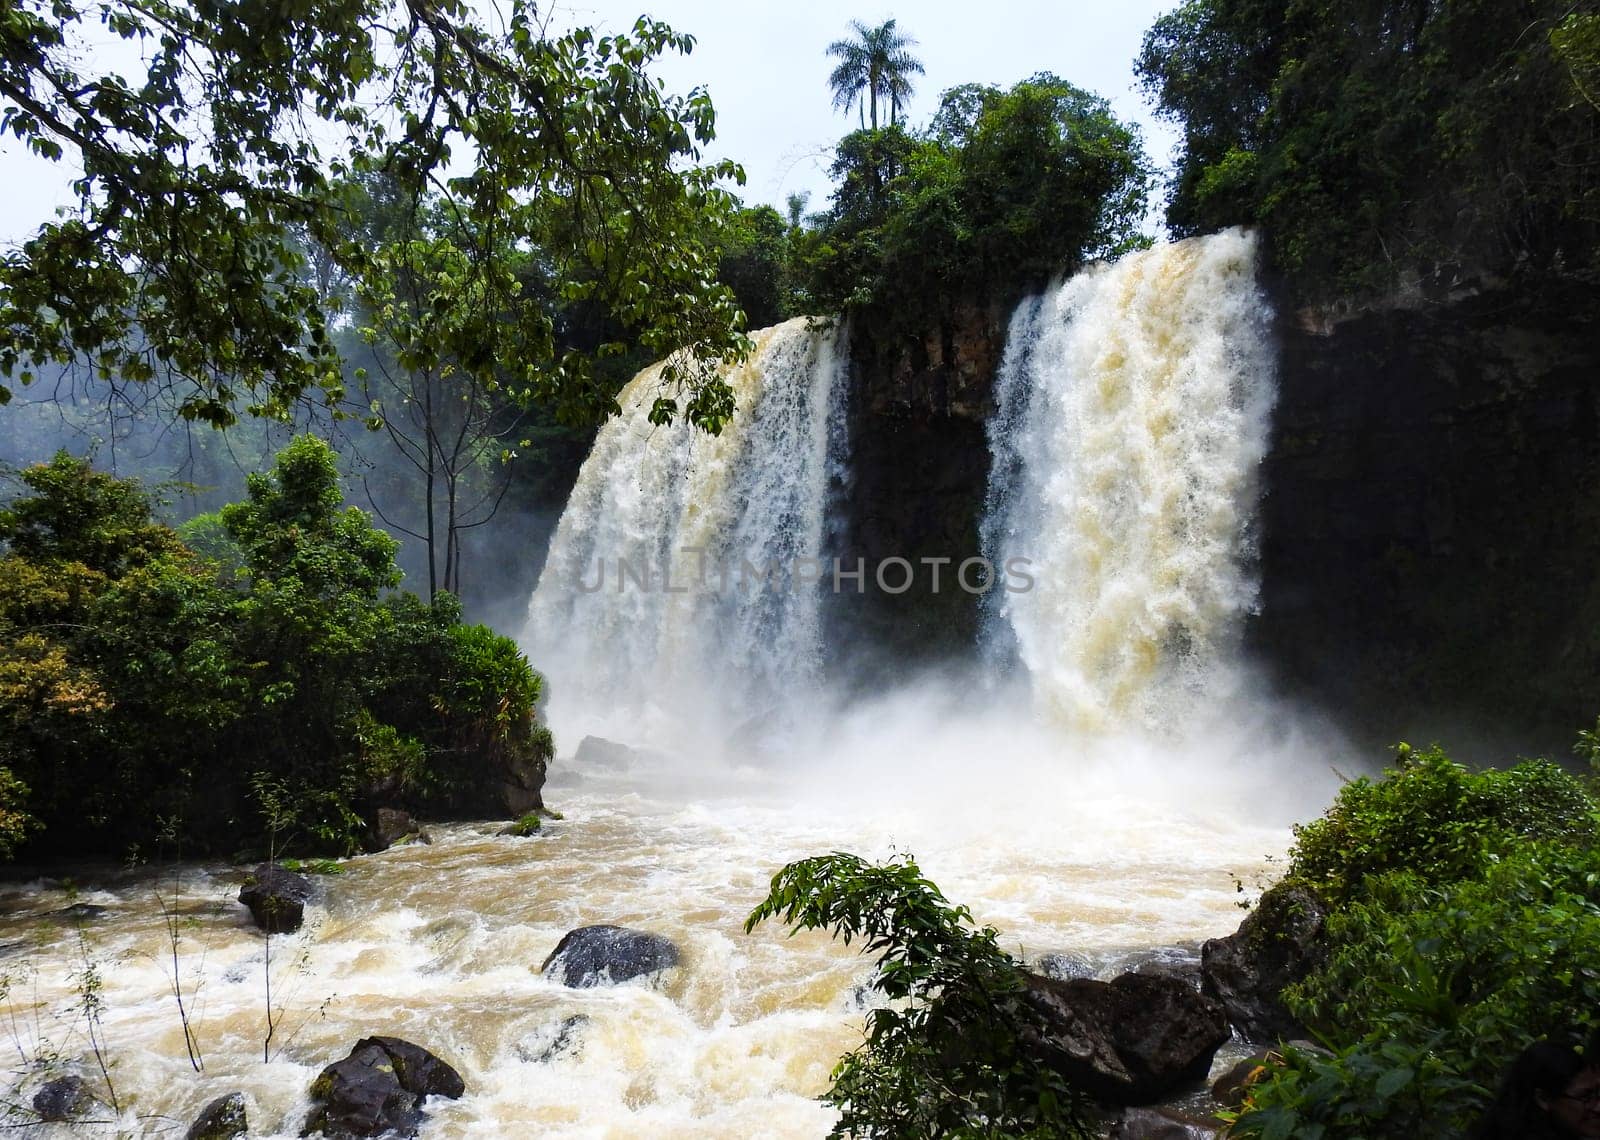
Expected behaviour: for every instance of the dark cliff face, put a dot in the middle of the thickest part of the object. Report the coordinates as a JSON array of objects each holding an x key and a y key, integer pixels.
[
  {"x": 1429, "y": 532},
  {"x": 1431, "y": 524},
  {"x": 919, "y": 461}
]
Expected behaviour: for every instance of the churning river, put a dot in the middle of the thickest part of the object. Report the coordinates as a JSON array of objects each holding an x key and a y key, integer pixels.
[
  {"x": 442, "y": 945},
  {"x": 1095, "y": 787}
]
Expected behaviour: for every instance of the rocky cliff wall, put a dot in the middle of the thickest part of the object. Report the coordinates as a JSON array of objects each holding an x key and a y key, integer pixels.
[
  {"x": 1430, "y": 547},
  {"x": 1429, "y": 535},
  {"x": 919, "y": 462}
]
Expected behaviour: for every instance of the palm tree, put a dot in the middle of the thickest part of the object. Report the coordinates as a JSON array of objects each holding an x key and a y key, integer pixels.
[{"x": 876, "y": 62}]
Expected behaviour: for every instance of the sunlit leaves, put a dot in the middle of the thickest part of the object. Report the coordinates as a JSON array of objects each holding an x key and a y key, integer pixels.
[{"x": 207, "y": 176}]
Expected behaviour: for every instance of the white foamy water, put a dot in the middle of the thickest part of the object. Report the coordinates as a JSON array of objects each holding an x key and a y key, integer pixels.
[
  {"x": 1132, "y": 415},
  {"x": 1104, "y": 807},
  {"x": 441, "y": 944},
  {"x": 676, "y": 577}
]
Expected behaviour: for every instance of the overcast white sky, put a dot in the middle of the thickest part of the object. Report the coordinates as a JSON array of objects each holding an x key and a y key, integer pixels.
[{"x": 765, "y": 67}]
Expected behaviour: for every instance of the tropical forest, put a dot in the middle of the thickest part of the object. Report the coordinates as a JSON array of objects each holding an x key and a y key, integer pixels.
[{"x": 1013, "y": 574}]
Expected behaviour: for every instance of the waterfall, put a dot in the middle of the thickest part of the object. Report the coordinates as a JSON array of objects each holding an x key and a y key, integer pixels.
[
  {"x": 1132, "y": 409},
  {"x": 685, "y": 567}
]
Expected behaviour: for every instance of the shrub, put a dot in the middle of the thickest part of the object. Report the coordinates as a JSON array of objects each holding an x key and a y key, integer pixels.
[
  {"x": 946, "y": 1059},
  {"x": 528, "y": 825},
  {"x": 1465, "y": 925},
  {"x": 1432, "y": 817},
  {"x": 1430, "y": 990}
]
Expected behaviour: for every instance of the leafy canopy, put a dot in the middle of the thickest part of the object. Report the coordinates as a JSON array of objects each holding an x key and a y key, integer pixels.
[
  {"x": 216, "y": 168},
  {"x": 1379, "y": 141},
  {"x": 1004, "y": 191},
  {"x": 148, "y": 689}
]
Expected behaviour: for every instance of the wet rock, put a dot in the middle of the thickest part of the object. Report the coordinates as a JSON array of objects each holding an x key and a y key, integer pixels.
[
  {"x": 552, "y": 1041},
  {"x": 1163, "y": 1124},
  {"x": 62, "y": 1099},
  {"x": 1181, "y": 962},
  {"x": 378, "y": 1090},
  {"x": 222, "y": 1119},
  {"x": 524, "y": 828},
  {"x": 864, "y": 996},
  {"x": 80, "y": 912},
  {"x": 390, "y": 826},
  {"x": 606, "y": 955},
  {"x": 1130, "y": 1041},
  {"x": 1279, "y": 943},
  {"x": 276, "y": 898},
  {"x": 1063, "y": 966},
  {"x": 598, "y": 752},
  {"x": 1229, "y": 1089}
]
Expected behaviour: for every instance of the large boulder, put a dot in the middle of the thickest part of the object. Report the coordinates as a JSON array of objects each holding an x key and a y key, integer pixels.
[
  {"x": 276, "y": 898},
  {"x": 1063, "y": 965},
  {"x": 1181, "y": 962},
  {"x": 598, "y": 752},
  {"x": 378, "y": 1090},
  {"x": 62, "y": 1099},
  {"x": 222, "y": 1119},
  {"x": 517, "y": 778},
  {"x": 1133, "y": 1040},
  {"x": 388, "y": 826},
  {"x": 604, "y": 955},
  {"x": 1277, "y": 944}
]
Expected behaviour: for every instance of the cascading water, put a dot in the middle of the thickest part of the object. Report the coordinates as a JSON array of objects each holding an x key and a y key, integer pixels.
[
  {"x": 1132, "y": 411},
  {"x": 679, "y": 571},
  {"x": 1132, "y": 415}
]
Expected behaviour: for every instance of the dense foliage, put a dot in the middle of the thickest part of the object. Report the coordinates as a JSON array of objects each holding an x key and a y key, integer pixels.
[
  {"x": 1004, "y": 191},
  {"x": 147, "y": 688},
  {"x": 215, "y": 168},
  {"x": 1377, "y": 141},
  {"x": 1465, "y": 924},
  {"x": 1431, "y": 818},
  {"x": 947, "y": 1056}
]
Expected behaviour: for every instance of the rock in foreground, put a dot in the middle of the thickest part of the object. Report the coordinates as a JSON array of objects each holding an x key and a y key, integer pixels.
[
  {"x": 222, "y": 1119},
  {"x": 1133, "y": 1040},
  {"x": 276, "y": 898},
  {"x": 605, "y": 955},
  {"x": 1279, "y": 943},
  {"x": 378, "y": 1090},
  {"x": 62, "y": 1099}
]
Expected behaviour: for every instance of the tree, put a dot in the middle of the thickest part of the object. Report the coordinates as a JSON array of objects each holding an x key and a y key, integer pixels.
[
  {"x": 1010, "y": 189},
  {"x": 212, "y": 166},
  {"x": 146, "y": 684},
  {"x": 1441, "y": 141},
  {"x": 449, "y": 431},
  {"x": 795, "y": 208},
  {"x": 876, "y": 62}
]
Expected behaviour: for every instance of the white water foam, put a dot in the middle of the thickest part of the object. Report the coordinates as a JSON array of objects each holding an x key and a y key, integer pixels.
[{"x": 1133, "y": 414}]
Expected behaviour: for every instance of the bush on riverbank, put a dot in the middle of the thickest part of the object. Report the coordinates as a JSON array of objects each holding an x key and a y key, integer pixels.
[
  {"x": 952, "y": 1054},
  {"x": 1464, "y": 925},
  {"x": 150, "y": 689}
]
